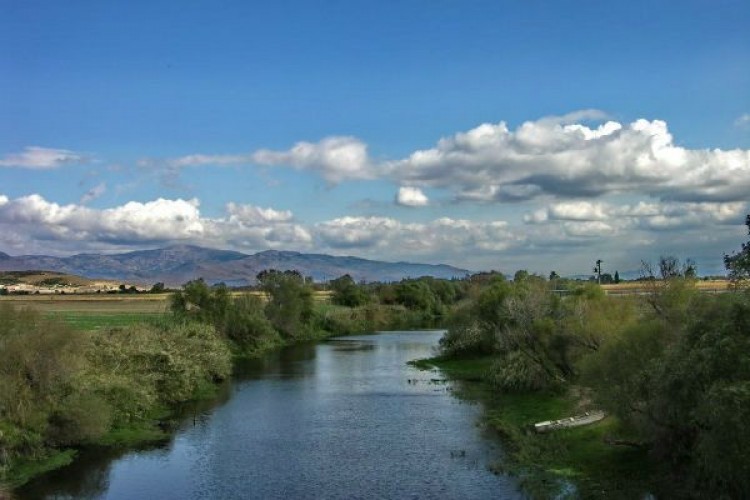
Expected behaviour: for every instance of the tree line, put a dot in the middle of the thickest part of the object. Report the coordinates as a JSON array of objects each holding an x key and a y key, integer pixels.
[{"x": 673, "y": 366}]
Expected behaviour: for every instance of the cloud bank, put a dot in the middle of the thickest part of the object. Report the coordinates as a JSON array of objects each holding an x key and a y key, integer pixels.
[
  {"x": 555, "y": 157},
  {"x": 32, "y": 221},
  {"x": 643, "y": 229},
  {"x": 564, "y": 157}
]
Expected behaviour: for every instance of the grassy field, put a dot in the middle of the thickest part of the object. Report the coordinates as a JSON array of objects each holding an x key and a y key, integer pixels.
[
  {"x": 106, "y": 303},
  {"x": 640, "y": 286},
  {"x": 93, "y": 303},
  {"x": 93, "y": 311}
]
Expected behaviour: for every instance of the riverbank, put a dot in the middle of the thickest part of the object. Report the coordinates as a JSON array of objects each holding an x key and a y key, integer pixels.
[
  {"x": 157, "y": 419},
  {"x": 576, "y": 462},
  {"x": 334, "y": 419}
]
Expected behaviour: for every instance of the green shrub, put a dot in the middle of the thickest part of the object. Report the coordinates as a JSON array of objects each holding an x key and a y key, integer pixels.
[
  {"x": 142, "y": 365},
  {"x": 247, "y": 326},
  {"x": 516, "y": 372}
]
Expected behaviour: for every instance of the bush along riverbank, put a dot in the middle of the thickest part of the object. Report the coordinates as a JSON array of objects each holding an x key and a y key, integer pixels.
[
  {"x": 62, "y": 389},
  {"x": 670, "y": 370}
]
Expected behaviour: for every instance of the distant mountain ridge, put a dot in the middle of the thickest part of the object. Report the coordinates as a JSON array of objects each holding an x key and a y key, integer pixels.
[{"x": 175, "y": 265}]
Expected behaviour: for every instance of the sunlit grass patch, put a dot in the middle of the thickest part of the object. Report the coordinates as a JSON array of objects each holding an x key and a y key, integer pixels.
[
  {"x": 95, "y": 321},
  {"x": 458, "y": 368}
]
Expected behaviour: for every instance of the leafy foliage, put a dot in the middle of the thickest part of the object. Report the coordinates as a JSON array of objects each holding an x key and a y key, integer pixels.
[
  {"x": 61, "y": 387},
  {"x": 684, "y": 387},
  {"x": 198, "y": 301},
  {"x": 290, "y": 302},
  {"x": 347, "y": 293},
  {"x": 40, "y": 364},
  {"x": 248, "y": 327},
  {"x": 536, "y": 337},
  {"x": 672, "y": 366},
  {"x": 738, "y": 264}
]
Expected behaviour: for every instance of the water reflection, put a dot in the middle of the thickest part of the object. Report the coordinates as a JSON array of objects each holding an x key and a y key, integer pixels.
[
  {"x": 351, "y": 345},
  {"x": 290, "y": 362},
  {"x": 341, "y": 419}
]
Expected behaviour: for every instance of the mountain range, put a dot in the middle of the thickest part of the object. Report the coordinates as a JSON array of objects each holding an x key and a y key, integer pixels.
[{"x": 176, "y": 265}]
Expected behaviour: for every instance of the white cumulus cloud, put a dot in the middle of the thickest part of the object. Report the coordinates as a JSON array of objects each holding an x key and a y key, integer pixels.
[
  {"x": 563, "y": 159},
  {"x": 252, "y": 215},
  {"x": 411, "y": 197},
  {"x": 585, "y": 218},
  {"x": 582, "y": 154},
  {"x": 33, "y": 219},
  {"x": 336, "y": 159},
  {"x": 454, "y": 237}
]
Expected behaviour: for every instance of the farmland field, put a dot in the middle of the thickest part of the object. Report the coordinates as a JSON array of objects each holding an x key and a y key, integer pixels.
[
  {"x": 93, "y": 303},
  {"x": 92, "y": 312},
  {"x": 706, "y": 286}
]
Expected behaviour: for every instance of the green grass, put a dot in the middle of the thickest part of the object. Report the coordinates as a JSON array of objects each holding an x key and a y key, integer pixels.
[
  {"x": 95, "y": 321},
  {"x": 546, "y": 462},
  {"x": 470, "y": 369},
  {"x": 25, "y": 470},
  {"x": 601, "y": 469},
  {"x": 138, "y": 433},
  {"x": 327, "y": 307},
  {"x": 525, "y": 409}
]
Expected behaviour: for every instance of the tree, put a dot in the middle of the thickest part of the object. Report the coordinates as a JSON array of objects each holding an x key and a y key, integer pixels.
[
  {"x": 670, "y": 295},
  {"x": 521, "y": 275},
  {"x": 684, "y": 387},
  {"x": 554, "y": 276},
  {"x": 199, "y": 301},
  {"x": 418, "y": 295},
  {"x": 158, "y": 288},
  {"x": 247, "y": 326},
  {"x": 290, "y": 301},
  {"x": 617, "y": 277},
  {"x": 738, "y": 264},
  {"x": 347, "y": 293}
]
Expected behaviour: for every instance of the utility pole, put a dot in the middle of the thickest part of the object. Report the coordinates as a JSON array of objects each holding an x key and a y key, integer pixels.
[{"x": 598, "y": 271}]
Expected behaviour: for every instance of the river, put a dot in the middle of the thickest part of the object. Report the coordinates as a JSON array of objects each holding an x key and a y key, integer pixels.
[{"x": 345, "y": 418}]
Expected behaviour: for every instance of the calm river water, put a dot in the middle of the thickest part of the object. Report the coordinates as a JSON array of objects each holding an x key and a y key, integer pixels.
[{"x": 346, "y": 418}]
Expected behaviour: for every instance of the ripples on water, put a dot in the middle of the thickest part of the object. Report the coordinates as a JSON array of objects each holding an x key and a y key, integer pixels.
[{"x": 345, "y": 418}]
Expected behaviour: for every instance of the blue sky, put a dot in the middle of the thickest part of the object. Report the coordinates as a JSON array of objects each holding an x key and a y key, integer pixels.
[{"x": 505, "y": 134}]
